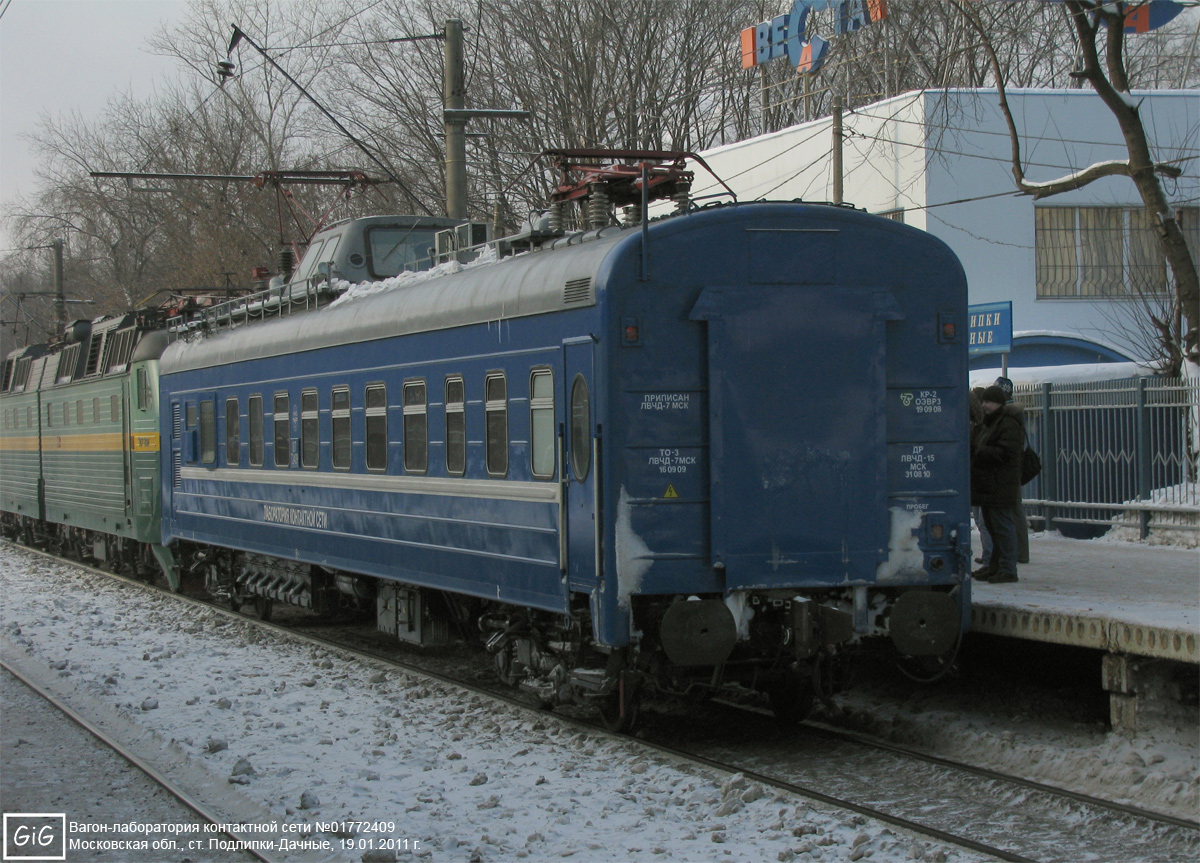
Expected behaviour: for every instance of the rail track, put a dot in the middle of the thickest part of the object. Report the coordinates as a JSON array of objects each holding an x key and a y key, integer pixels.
[
  {"x": 199, "y": 807},
  {"x": 1006, "y": 817}
]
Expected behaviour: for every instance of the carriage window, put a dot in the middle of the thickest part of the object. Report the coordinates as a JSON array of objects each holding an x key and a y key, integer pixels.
[
  {"x": 416, "y": 428},
  {"x": 283, "y": 448},
  {"x": 581, "y": 429},
  {"x": 310, "y": 441},
  {"x": 541, "y": 423},
  {"x": 192, "y": 416},
  {"x": 233, "y": 439},
  {"x": 341, "y": 428},
  {"x": 496, "y": 411},
  {"x": 376, "y": 428},
  {"x": 208, "y": 432},
  {"x": 254, "y": 411},
  {"x": 456, "y": 427}
]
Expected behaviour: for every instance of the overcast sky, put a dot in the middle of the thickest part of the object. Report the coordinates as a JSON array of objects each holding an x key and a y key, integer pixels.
[{"x": 59, "y": 56}]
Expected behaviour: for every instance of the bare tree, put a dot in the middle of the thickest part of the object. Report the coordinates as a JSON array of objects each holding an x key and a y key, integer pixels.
[{"x": 1100, "y": 37}]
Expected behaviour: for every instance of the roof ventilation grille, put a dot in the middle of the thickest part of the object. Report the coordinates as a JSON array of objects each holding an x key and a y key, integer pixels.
[{"x": 577, "y": 291}]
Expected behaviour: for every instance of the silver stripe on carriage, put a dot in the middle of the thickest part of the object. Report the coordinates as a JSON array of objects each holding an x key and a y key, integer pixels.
[{"x": 491, "y": 489}]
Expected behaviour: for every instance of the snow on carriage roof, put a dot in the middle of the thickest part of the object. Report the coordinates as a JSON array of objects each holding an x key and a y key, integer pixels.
[{"x": 451, "y": 295}]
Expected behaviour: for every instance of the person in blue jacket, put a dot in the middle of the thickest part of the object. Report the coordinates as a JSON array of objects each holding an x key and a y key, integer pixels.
[{"x": 996, "y": 483}]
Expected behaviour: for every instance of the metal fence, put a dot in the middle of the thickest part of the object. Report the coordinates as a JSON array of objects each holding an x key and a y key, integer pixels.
[{"x": 1115, "y": 454}]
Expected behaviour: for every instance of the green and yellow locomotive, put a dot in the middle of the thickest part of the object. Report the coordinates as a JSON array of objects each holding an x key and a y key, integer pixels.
[{"x": 79, "y": 444}]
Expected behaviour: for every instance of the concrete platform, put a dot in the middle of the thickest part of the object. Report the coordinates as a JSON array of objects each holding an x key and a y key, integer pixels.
[
  {"x": 1138, "y": 603},
  {"x": 1122, "y": 597}
]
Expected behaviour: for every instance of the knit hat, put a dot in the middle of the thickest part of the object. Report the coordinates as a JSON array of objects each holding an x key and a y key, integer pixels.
[
  {"x": 994, "y": 394},
  {"x": 1004, "y": 384}
]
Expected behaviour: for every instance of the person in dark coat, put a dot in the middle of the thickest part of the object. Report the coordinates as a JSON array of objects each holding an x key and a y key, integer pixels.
[
  {"x": 996, "y": 483},
  {"x": 1022, "y": 521},
  {"x": 975, "y": 402}
]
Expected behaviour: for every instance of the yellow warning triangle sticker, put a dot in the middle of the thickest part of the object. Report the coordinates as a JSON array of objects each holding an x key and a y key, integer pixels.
[{"x": 671, "y": 492}]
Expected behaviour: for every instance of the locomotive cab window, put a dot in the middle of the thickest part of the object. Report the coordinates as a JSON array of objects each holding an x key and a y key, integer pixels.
[
  {"x": 581, "y": 426},
  {"x": 376, "y": 419},
  {"x": 341, "y": 428},
  {"x": 282, "y": 437},
  {"x": 541, "y": 423},
  {"x": 208, "y": 432},
  {"x": 416, "y": 428},
  {"x": 456, "y": 427},
  {"x": 310, "y": 441},
  {"x": 233, "y": 441},
  {"x": 254, "y": 411},
  {"x": 496, "y": 430}
]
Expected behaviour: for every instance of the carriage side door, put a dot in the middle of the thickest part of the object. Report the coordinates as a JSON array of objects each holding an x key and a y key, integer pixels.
[{"x": 580, "y": 477}]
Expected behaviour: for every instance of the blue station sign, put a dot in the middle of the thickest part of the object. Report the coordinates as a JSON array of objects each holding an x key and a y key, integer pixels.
[{"x": 990, "y": 330}]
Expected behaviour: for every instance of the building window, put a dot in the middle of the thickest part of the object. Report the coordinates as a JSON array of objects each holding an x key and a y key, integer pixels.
[
  {"x": 310, "y": 430},
  {"x": 283, "y": 444},
  {"x": 541, "y": 423},
  {"x": 416, "y": 428},
  {"x": 1102, "y": 252},
  {"x": 495, "y": 409},
  {"x": 456, "y": 427},
  {"x": 376, "y": 420},
  {"x": 233, "y": 434},
  {"x": 341, "y": 428},
  {"x": 254, "y": 415}
]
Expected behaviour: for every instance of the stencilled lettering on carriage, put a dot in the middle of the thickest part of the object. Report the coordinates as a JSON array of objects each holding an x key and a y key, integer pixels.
[
  {"x": 666, "y": 401},
  {"x": 922, "y": 401},
  {"x": 918, "y": 463},
  {"x": 671, "y": 461},
  {"x": 294, "y": 516}
]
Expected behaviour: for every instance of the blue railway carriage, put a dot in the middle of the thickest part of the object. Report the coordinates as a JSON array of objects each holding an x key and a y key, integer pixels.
[
  {"x": 79, "y": 444},
  {"x": 724, "y": 448}
]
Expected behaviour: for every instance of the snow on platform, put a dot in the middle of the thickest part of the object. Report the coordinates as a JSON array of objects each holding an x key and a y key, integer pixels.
[{"x": 1121, "y": 597}]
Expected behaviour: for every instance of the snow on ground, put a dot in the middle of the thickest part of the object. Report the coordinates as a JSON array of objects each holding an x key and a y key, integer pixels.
[
  {"x": 1019, "y": 733},
  {"x": 304, "y": 735},
  {"x": 1017, "y": 730}
]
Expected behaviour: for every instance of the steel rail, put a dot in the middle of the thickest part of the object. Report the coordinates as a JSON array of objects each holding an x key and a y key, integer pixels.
[
  {"x": 985, "y": 773},
  {"x": 800, "y": 790},
  {"x": 152, "y": 772}
]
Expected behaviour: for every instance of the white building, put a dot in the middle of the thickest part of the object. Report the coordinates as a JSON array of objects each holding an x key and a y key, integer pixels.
[{"x": 1073, "y": 265}]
